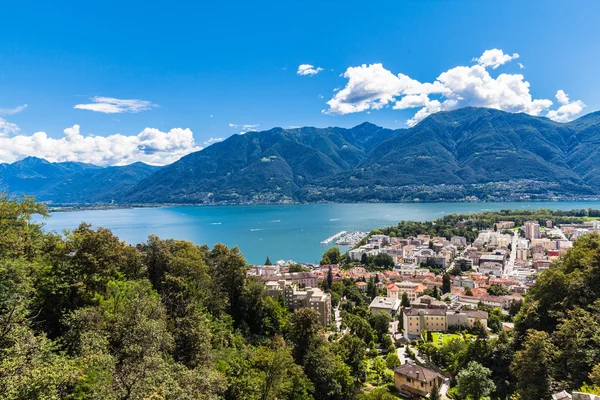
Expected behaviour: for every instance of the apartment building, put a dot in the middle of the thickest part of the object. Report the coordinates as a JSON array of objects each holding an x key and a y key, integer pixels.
[{"x": 295, "y": 299}]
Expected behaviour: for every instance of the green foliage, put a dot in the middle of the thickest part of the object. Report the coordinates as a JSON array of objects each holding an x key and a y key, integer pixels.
[
  {"x": 331, "y": 256},
  {"x": 446, "y": 283},
  {"x": 405, "y": 302},
  {"x": 497, "y": 290},
  {"x": 533, "y": 366},
  {"x": 392, "y": 360},
  {"x": 474, "y": 382},
  {"x": 268, "y": 261}
]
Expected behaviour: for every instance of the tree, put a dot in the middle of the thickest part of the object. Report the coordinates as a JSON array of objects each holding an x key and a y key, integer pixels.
[
  {"x": 479, "y": 330},
  {"x": 331, "y": 256},
  {"x": 228, "y": 269},
  {"x": 474, "y": 382},
  {"x": 392, "y": 360},
  {"x": 383, "y": 261},
  {"x": 380, "y": 322},
  {"x": 268, "y": 261},
  {"x": 279, "y": 375},
  {"x": 533, "y": 366},
  {"x": 468, "y": 291},
  {"x": 371, "y": 289},
  {"x": 405, "y": 302},
  {"x": 364, "y": 260},
  {"x": 303, "y": 331},
  {"x": 19, "y": 236},
  {"x": 330, "y": 376},
  {"x": 446, "y": 283},
  {"x": 434, "y": 393},
  {"x": 497, "y": 290},
  {"x": 429, "y": 336},
  {"x": 329, "y": 278},
  {"x": 352, "y": 351}
]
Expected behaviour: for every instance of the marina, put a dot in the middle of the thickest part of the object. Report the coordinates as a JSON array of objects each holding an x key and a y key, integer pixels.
[{"x": 334, "y": 237}]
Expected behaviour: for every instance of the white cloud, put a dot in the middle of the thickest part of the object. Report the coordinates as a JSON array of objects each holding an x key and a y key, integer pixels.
[
  {"x": 372, "y": 87},
  {"x": 307, "y": 69},
  {"x": 7, "y": 128},
  {"x": 212, "y": 140},
  {"x": 110, "y": 105},
  {"x": 150, "y": 146},
  {"x": 293, "y": 127},
  {"x": 11, "y": 111},
  {"x": 521, "y": 66},
  {"x": 562, "y": 97},
  {"x": 495, "y": 58},
  {"x": 567, "y": 110},
  {"x": 246, "y": 127}
]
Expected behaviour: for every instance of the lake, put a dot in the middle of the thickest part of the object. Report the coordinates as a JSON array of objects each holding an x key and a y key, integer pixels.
[{"x": 288, "y": 232}]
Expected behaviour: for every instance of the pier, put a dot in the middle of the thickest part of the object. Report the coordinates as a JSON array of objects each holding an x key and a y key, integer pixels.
[{"x": 332, "y": 238}]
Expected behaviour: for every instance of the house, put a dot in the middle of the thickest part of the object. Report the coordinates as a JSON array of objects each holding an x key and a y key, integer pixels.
[
  {"x": 362, "y": 286},
  {"x": 415, "y": 380},
  {"x": 387, "y": 305}
]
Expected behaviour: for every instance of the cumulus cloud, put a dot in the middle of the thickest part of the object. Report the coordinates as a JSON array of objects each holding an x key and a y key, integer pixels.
[
  {"x": 495, "y": 58},
  {"x": 372, "y": 87},
  {"x": 308, "y": 70},
  {"x": 567, "y": 110},
  {"x": 7, "y": 128},
  {"x": 246, "y": 127},
  {"x": 110, "y": 105},
  {"x": 150, "y": 146},
  {"x": 11, "y": 111}
]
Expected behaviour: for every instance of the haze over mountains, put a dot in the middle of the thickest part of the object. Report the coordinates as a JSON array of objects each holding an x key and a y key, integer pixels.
[{"x": 485, "y": 153}]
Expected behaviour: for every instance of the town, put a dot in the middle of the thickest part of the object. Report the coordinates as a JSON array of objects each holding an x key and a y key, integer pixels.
[{"x": 430, "y": 288}]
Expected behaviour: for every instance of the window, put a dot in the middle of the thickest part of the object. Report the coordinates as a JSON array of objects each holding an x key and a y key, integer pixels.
[{"x": 422, "y": 384}]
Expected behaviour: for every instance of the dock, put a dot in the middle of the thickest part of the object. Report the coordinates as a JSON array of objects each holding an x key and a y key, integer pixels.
[{"x": 332, "y": 238}]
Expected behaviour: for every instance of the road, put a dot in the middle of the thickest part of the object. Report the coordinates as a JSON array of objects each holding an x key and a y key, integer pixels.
[{"x": 510, "y": 266}]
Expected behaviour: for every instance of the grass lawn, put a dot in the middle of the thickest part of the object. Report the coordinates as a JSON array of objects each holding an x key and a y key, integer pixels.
[{"x": 446, "y": 337}]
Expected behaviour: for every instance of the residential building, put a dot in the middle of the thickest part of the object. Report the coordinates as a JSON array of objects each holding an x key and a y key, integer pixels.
[
  {"x": 295, "y": 299},
  {"x": 417, "y": 320},
  {"x": 415, "y": 380},
  {"x": 532, "y": 230},
  {"x": 388, "y": 305}
]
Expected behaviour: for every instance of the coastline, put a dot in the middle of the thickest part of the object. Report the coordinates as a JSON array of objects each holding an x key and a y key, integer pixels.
[{"x": 84, "y": 207}]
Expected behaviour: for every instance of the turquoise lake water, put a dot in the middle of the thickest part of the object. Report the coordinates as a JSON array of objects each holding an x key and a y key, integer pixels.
[{"x": 289, "y": 232}]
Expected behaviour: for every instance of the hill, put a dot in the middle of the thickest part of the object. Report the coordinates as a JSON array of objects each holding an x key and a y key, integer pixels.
[
  {"x": 471, "y": 152},
  {"x": 70, "y": 182}
]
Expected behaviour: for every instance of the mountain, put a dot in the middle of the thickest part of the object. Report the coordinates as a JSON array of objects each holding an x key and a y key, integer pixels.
[
  {"x": 260, "y": 166},
  {"x": 71, "y": 182},
  {"x": 470, "y": 153},
  {"x": 485, "y": 153}
]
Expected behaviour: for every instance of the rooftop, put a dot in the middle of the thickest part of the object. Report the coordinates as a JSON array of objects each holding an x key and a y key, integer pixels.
[{"x": 416, "y": 372}]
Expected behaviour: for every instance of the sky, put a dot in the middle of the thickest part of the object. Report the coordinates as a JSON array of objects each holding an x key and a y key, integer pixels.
[{"x": 113, "y": 83}]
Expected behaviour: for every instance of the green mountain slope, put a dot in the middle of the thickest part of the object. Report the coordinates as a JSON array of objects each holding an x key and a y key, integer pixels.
[
  {"x": 478, "y": 152},
  {"x": 69, "y": 182}
]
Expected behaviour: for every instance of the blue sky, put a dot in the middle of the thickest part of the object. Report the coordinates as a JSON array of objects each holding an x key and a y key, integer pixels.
[{"x": 203, "y": 70}]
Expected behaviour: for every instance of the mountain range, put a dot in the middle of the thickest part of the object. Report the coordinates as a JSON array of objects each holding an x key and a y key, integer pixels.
[{"x": 470, "y": 153}]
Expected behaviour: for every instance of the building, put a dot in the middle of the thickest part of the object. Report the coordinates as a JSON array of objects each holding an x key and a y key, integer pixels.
[
  {"x": 415, "y": 380},
  {"x": 302, "y": 279},
  {"x": 459, "y": 241},
  {"x": 417, "y": 320},
  {"x": 295, "y": 299},
  {"x": 410, "y": 288},
  {"x": 532, "y": 230},
  {"x": 505, "y": 225},
  {"x": 385, "y": 304}
]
